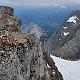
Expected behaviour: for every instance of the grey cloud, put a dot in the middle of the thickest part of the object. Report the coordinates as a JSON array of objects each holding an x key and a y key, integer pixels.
[{"x": 45, "y": 1}]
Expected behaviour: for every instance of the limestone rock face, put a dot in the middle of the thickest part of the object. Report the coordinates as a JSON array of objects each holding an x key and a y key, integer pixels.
[
  {"x": 24, "y": 60},
  {"x": 35, "y": 29},
  {"x": 22, "y": 56}
]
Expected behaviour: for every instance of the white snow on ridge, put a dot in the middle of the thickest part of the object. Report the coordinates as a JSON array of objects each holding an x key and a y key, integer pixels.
[
  {"x": 65, "y": 27},
  {"x": 65, "y": 33},
  {"x": 72, "y": 19},
  {"x": 69, "y": 69}
]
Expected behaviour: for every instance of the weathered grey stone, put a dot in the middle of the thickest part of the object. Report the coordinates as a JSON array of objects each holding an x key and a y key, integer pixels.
[{"x": 22, "y": 56}]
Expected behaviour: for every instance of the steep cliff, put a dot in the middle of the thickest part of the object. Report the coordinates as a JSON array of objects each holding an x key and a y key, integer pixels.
[
  {"x": 65, "y": 42},
  {"x": 22, "y": 56},
  {"x": 7, "y": 20}
]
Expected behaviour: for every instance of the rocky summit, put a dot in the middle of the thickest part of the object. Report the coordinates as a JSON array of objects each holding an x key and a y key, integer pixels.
[
  {"x": 6, "y": 10},
  {"x": 7, "y": 21},
  {"x": 33, "y": 28},
  {"x": 65, "y": 42},
  {"x": 22, "y": 55}
]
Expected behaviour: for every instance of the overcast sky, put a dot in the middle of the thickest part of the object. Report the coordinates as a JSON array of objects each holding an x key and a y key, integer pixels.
[{"x": 44, "y": 1}]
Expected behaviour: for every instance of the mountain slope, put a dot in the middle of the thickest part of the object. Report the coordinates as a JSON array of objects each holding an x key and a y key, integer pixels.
[
  {"x": 35, "y": 29},
  {"x": 65, "y": 42}
]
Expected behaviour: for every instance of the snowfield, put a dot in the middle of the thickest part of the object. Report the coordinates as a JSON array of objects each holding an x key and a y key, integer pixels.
[
  {"x": 69, "y": 69},
  {"x": 72, "y": 19}
]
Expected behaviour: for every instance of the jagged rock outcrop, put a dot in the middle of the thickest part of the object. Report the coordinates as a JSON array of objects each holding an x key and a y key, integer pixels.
[
  {"x": 33, "y": 28},
  {"x": 65, "y": 42},
  {"x": 7, "y": 21},
  {"x": 6, "y": 10},
  {"x": 22, "y": 56}
]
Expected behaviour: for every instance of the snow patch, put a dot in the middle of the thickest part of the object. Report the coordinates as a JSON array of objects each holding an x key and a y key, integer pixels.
[
  {"x": 72, "y": 19},
  {"x": 27, "y": 48},
  {"x": 65, "y": 27},
  {"x": 69, "y": 69},
  {"x": 59, "y": 39},
  {"x": 53, "y": 72},
  {"x": 48, "y": 66},
  {"x": 65, "y": 33}
]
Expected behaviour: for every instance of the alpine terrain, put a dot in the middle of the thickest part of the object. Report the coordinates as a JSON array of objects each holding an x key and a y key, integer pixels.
[
  {"x": 22, "y": 56},
  {"x": 65, "y": 42}
]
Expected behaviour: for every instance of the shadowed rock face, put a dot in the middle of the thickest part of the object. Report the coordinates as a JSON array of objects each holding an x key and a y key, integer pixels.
[
  {"x": 22, "y": 55},
  {"x": 65, "y": 42},
  {"x": 6, "y": 10}
]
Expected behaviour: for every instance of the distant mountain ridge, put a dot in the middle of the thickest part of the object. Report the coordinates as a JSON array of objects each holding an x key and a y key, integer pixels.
[
  {"x": 34, "y": 29},
  {"x": 65, "y": 42}
]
